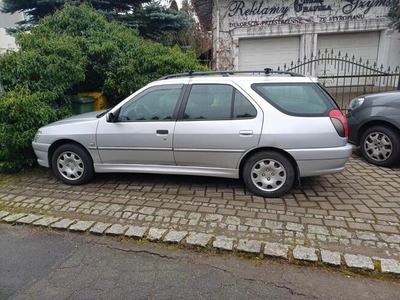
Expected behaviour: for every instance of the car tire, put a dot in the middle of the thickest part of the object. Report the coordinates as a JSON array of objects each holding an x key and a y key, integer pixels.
[
  {"x": 380, "y": 146},
  {"x": 72, "y": 164},
  {"x": 268, "y": 174}
]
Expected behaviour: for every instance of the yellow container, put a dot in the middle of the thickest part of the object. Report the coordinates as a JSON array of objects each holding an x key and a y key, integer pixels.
[{"x": 100, "y": 102}]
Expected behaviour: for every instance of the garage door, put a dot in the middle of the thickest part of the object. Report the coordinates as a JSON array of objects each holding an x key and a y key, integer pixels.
[
  {"x": 361, "y": 45},
  {"x": 267, "y": 53}
]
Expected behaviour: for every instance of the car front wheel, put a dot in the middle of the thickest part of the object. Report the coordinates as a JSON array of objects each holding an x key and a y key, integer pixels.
[
  {"x": 268, "y": 174},
  {"x": 72, "y": 164},
  {"x": 380, "y": 146}
]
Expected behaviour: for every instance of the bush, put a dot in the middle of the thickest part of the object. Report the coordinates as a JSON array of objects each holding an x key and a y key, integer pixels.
[
  {"x": 74, "y": 50},
  {"x": 46, "y": 62},
  {"x": 118, "y": 60},
  {"x": 21, "y": 113}
]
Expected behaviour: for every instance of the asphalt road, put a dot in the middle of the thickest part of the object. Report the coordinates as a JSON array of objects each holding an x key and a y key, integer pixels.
[{"x": 44, "y": 264}]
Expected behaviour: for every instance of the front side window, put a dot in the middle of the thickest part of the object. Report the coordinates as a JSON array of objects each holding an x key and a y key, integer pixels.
[
  {"x": 217, "y": 102},
  {"x": 295, "y": 99},
  {"x": 154, "y": 105}
]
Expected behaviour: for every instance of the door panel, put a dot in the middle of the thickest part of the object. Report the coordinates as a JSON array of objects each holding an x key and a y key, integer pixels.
[
  {"x": 143, "y": 133},
  {"x": 218, "y": 125},
  {"x": 135, "y": 143}
]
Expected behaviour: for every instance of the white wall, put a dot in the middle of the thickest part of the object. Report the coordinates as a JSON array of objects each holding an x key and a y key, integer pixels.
[{"x": 8, "y": 20}]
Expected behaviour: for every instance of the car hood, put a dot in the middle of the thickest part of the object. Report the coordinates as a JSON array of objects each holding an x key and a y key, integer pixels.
[{"x": 82, "y": 118}]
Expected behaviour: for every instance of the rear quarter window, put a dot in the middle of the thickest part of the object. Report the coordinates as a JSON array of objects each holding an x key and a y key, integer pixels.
[{"x": 296, "y": 99}]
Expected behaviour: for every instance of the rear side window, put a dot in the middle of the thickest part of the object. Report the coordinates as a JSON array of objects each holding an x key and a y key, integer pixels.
[
  {"x": 217, "y": 102},
  {"x": 295, "y": 99}
]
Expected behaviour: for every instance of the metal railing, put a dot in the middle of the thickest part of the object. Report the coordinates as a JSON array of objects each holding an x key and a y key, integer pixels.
[{"x": 346, "y": 78}]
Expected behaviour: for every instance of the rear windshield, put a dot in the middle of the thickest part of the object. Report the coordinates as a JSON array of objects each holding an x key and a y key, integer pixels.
[{"x": 296, "y": 99}]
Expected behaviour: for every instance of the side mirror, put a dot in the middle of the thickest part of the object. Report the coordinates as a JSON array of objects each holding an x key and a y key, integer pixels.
[{"x": 112, "y": 117}]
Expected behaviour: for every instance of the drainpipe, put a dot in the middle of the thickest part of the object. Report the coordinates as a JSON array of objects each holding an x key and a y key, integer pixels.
[{"x": 217, "y": 38}]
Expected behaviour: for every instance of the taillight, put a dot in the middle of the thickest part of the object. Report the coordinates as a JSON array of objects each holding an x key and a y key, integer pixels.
[{"x": 339, "y": 121}]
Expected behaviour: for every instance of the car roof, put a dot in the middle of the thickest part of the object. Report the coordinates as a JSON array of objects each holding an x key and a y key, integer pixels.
[{"x": 253, "y": 76}]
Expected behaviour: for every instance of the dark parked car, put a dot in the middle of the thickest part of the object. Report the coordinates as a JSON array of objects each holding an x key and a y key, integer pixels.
[{"x": 374, "y": 125}]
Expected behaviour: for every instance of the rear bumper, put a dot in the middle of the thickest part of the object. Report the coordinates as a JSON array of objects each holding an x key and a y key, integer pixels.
[
  {"x": 41, "y": 151},
  {"x": 321, "y": 161}
]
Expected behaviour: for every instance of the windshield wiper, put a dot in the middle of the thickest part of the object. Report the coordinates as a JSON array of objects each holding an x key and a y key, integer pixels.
[{"x": 103, "y": 113}]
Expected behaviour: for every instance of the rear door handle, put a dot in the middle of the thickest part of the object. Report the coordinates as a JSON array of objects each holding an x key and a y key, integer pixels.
[
  {"x": 162, "y": 131},
  {"x": 246, "y": 132}
]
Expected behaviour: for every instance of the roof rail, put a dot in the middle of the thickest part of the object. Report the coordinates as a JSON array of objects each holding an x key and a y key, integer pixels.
[{"x": 266, "y": 71}]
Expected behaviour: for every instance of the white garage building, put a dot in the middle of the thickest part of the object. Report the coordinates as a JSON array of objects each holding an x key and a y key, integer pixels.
[{"x": 255, "y": 34}]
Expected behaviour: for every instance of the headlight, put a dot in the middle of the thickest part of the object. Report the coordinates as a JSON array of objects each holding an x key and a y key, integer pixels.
[
  {"x": 37, "y": 136},
  {"x": 357, "y": 102}
]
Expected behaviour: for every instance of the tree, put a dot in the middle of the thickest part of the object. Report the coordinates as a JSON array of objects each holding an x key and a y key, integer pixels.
[
  {"x": 155, "y": 20},
  {"x": 194, "y": 38},
  {"x": 75, "y": 49},
  {"x": 132, "y": 12},
  {"x": 394, "y": 15}
]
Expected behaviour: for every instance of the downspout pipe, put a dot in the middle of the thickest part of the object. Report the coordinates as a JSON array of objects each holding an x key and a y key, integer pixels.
[{"x": 217, "y": 38}]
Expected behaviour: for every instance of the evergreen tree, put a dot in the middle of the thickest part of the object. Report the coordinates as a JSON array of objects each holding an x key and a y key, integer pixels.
[
  {"x": 394, "y": 15},
  {"x": 150, "y": 18},
  {"x": 195, "y": 38}
]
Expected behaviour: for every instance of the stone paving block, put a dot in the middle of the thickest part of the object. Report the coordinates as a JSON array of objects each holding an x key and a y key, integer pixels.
[
  {"x": 305, "y": 253},
  {"x": 14, "y": 217},
  {"x": 331, "y": 258},
  {"x": 136, "y": 232},
  {"x": 315, "y": 229},
  {"x": 276, "y": 250},
  {"x": 359, "y": 261},
  {"x": 273, "y": 224},
  {"x": 232, "y": 220},
  {"x": 62, "y": 224},
  {"x": 214, "y": 217},
  {"x": 175, "y": 236},
  {"x": 294, "y": 226},
  {"x": 366, "y": 235},
  {"x": 199, "y": 239},
  {"x": 164, "y": 212},
  {"x": 99, "y": 227},
  {"x": 194, "y": 216},
  {"x": 82, "y": 226},
  {"x": 223, "y": 243},
  {"x": 147, "y": 210},
  {"x": 29, "y": 219},
  {"x": 253, "y": 222},
  {"x": 250, "y": 246},
  {"x": 390, "y": 266},
  {"x": 156, "y": 234},
  {"x": 392, "y": 238},
  {"x": 116, "y": 229},
  {"x": 3, "y": 214},
  {"x": 45, "y": 221},
  {"x": 342, "y": 233}
]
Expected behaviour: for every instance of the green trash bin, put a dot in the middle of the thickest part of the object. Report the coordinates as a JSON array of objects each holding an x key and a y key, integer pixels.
[{"x": 82, "y": 104}]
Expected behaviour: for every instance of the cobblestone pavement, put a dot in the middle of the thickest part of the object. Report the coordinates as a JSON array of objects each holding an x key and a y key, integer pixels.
[{"x": 350, "y": 216}]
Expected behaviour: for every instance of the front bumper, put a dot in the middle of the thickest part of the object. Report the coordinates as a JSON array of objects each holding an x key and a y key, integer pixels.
[{"x": 41, "y": 151}]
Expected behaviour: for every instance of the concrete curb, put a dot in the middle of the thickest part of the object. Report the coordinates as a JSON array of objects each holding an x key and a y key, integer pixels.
[{"x": 291, "y": 253}]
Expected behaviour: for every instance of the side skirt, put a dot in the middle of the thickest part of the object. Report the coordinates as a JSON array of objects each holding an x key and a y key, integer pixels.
[{"x": 166, "y": 169}]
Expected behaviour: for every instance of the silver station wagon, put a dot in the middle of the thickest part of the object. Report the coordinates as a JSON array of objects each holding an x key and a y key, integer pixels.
[{"x": 267, "y": 127}]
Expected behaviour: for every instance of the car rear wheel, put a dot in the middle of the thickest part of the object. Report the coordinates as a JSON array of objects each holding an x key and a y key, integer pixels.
[
  {"x": 268, "y": 174},
  {"x": 72, "y": 164},
  {"x": 380, "y": 146}
]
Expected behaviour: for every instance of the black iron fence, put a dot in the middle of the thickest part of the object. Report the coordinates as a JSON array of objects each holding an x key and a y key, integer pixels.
[{"x": 346, "y": 78}]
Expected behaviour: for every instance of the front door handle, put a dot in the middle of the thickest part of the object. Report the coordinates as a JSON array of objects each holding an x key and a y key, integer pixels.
[
  {"x": 162, "y": 131},
  {"x": 246, "y": 132}
]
